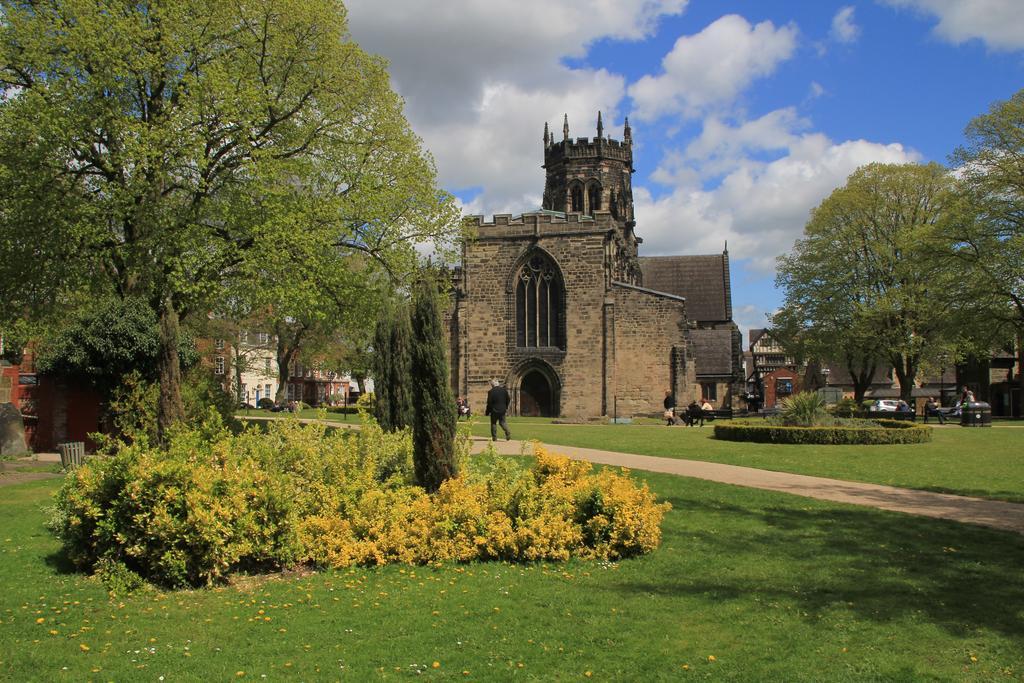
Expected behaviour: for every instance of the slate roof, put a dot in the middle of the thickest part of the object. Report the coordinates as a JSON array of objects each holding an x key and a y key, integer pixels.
[
  {"x": 702, "y": 280},
  {"x": 840, "y": 376},
  {"x": 713, "y": 349}
]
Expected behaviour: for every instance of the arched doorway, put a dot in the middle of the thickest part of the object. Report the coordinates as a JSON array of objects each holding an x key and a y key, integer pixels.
[{"x": 537, "y": 398}]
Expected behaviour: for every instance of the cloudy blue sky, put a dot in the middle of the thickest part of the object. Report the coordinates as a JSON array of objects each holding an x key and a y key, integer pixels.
[{"x": 745, "y": 114}]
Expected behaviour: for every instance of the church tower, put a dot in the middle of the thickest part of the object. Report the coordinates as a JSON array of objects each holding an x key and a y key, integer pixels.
[{"x": 587, "y": 176}]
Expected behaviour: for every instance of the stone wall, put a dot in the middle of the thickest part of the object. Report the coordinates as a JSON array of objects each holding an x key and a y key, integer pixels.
[
  {"x": 485, "y": 310},
  {"x": 651, "y": 352}
]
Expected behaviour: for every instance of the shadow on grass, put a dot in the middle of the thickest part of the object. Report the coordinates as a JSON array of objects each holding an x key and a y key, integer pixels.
[
  {"x": 60, "y": 563},
  {"x": 879, "y": 566}
]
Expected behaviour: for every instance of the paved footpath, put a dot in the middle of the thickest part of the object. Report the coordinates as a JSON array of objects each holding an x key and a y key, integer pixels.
[{"x": 990, "y": 513}]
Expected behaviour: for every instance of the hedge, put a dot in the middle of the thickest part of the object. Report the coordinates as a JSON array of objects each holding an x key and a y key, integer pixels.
[{"x": 888, "y": 432}]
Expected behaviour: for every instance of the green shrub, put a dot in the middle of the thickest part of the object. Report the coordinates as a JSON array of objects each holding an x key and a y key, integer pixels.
[
  {"x": 266, "y": 403},
  {"x": 846, "y": 407},
  {"x": 805, "y": 409},
  {"x": 214, "y": 503},
  {"x": 885, "y": 432}
]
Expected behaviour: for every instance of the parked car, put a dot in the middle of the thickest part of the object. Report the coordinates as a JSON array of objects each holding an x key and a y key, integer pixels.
[{"x": 884, "y": 406}]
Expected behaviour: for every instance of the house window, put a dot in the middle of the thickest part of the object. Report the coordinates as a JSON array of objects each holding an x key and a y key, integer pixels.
[
  {"x": 218, "y": 344},
  {"x": 266, "y": 365},
  {"x": 218, "y": 365},
  {"x": 244, "y": 393},
  {"x": 709, "y": 390},
  {"x": 266, "y": 389},
  {"x": 539, "y": 304},
  {"x": 783, "y": 387}
]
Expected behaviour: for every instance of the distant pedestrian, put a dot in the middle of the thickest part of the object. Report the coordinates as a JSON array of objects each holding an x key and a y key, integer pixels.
[
  {"x": 695, "y": 413},
  {"x": 931, "y": 409},
  {"x": 670, "y": 408},
  {"x": 497, "y": 405}
]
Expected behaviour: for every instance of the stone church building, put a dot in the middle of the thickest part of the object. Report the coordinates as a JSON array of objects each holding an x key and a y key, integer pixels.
[{"x": 560, "y": 306}]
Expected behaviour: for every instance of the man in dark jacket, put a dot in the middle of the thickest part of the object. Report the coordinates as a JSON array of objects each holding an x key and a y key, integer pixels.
[{"x": 497, "y": 405}]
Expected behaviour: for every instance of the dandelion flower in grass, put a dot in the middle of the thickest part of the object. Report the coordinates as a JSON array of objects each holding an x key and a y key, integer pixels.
[
  {"x": 712, "y": 658},
  {"x": 436, "y": 665},
  {"x": 588, "y": 674},
  {"x": 83, "y": 647},
  {"x": 41, "y": 620}
]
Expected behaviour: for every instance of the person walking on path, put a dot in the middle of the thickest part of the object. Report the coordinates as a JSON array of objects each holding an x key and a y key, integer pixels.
[
  {"x": 497, "y": 405},
  {"x": 670, "y": 408},
  {"x": 695, "y": 413}
]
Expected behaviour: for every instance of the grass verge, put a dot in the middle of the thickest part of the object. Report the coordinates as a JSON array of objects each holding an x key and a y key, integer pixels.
[
  {"x": 988, "y": 463},
  {"x": 748, "y": 585}
]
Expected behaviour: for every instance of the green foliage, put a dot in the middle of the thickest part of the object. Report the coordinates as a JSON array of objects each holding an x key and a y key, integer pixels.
[
  {"x": 805, "y": 409},
  {"x": 201, "y": 391},
  {"x": 984, "y": 240},
  {"x": 214, "y": 503},
  {"x": 117, "y": 577},
  {"x": 106, "y": 342},
  {"x": 266, "y": 403},
  {"x": 859, "y": 286},
  {"x": 162, "y": 152},
  {"x": 401, "y": 397},
  {"x": 133, "y": 407},
  {"x": 435, "y": 416},
  {"x": 888, "y": 432},
  {"x": 846, "y": 407},
  {"x": 383, "y": 358},
  {"x": 392, "y": 382}
]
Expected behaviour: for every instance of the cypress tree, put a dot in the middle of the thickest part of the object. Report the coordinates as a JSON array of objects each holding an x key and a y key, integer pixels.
[
  {"x": 433, "y": 434},
  {"x": 400, "y": 391},
  {"x": 382, "y": 371}
]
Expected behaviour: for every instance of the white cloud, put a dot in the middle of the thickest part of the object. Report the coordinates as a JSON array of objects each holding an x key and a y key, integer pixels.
[
  {"x": 711, "y": 68},
  {"x": 480, "y": 77},
  {"x": 760, "y": 207},
  {"x": 999, "y": 23},
  {"x": 844, "y": 30}
]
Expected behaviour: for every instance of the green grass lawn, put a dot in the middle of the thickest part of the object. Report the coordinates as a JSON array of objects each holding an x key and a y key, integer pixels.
[
  {"x": 772, "y": 587},
  {"x": 988, "y": 463},
  {"x": 305, "y": 413}
]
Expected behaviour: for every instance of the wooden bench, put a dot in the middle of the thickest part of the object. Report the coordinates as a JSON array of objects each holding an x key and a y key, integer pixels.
[{"x": 72, "y": 454}]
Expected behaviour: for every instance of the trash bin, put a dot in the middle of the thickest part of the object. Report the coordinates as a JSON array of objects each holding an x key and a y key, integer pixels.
[{"x": 978, "y": 414}]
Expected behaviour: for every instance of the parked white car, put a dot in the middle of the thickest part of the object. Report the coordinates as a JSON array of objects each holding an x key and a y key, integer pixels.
[{"x": 884, "y": 406}]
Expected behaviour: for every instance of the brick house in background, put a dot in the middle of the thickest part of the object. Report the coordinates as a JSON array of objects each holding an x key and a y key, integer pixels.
[
  {"x": 53, "y": 410},
  {"x": 559, "y": 305}
]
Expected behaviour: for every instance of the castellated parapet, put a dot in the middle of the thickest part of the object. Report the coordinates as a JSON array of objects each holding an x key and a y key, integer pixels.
[{"x": 539, "y": 223}]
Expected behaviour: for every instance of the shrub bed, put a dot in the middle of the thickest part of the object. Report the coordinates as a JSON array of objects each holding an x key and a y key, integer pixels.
[
  {"x": 214, "y": 503},
  {"x": 886, "y": 432}
]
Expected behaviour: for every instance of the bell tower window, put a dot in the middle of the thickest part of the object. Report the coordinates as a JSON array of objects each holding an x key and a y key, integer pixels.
[
  {"x": 594, "y": 196},
  {"x": 576, "y": 199},
  {"x": 540, "y": 302}
]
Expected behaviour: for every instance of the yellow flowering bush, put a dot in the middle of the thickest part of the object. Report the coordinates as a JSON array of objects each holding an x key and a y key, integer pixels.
[{"x": 213, "y": 503}]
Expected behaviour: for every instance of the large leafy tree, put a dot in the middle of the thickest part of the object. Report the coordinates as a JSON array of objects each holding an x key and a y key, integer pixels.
[
  {"x": 985, "y": 238},
  {"x": 858, "y": 282},
  {"x": 167, "y": 150}
]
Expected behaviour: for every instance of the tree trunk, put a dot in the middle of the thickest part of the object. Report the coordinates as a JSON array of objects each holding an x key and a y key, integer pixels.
[
  {"x": 906, "y": 371},
  {"x": 287, "y": 347},
  {"x": 238, "y": 363},
  {"x": 170, "y": 408}
]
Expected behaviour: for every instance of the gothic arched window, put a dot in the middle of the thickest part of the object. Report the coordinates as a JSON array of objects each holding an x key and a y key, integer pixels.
[
  {"x": 594, "y": 195},
  {"x": 576, "y": 199},
  {"x": 539, "y": 304}
]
